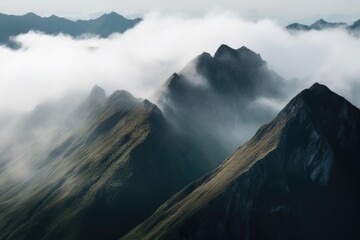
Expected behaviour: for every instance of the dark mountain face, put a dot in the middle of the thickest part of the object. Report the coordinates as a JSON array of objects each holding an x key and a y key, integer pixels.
[
  {"x": 103, "y": 26},
  {"x": 214, "y": 101},
  {"x": 297, "y": 178},
  {"x": 96, "y": 172}
]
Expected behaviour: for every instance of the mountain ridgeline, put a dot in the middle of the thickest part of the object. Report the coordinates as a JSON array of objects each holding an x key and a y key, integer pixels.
[
  {"x": 92, "y": 174},
  {"x": 321, "y": 24},
  {"x": 297, "y": 178},
  {"x": 104, "y": 26}
]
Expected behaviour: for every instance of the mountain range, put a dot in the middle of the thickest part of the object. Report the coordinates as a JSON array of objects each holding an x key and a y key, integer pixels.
[
  {"x": 105, "y": 25},
  {"x": 321, "y": 24},
  {"x": 117, "y": 166}
]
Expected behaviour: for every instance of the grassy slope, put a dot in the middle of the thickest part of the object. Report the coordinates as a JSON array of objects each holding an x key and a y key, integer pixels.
[
  {"x": 197, "y": 195},
  {"x": 117, "y": 157}
]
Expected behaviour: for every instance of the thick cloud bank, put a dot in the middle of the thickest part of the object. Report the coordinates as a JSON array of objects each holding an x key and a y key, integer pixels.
[{"x": 48, "y": 67}]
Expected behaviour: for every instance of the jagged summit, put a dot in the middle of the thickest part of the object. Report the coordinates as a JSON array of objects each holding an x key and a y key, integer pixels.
[
  {"x": 243, "y": 53},
  {"x": 224, "y": 50},
  {"x": 213, "y": 95},
  {"x": 112, "y": 16}
]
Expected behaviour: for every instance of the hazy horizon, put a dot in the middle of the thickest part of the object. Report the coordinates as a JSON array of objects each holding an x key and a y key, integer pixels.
[
  {"x": 282, "y": 11},
  {"x": 171, "y": 42}
]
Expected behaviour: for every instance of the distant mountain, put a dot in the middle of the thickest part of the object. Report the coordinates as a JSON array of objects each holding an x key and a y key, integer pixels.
[
  {"x": 298, "y": 27},
  {"x": 107, "y": 24},
  {"x": 90, "y": 170},
  {"x": 297, "y": 178},
  {"x": 215, "y": 101},
  {"x": 320, "y": 24},
  {"x": 355, "y": 28}
]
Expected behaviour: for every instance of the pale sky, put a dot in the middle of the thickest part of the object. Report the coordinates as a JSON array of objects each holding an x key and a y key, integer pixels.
[{"x": 283, "y": 11}]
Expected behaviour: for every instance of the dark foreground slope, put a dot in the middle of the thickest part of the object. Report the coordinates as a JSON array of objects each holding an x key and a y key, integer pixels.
[
  {"x": 107, "y": 24},
  {"x": 215, "y": 101},
  {"x": 297, "y": 178},
  {"x": 96, "y": 175}
]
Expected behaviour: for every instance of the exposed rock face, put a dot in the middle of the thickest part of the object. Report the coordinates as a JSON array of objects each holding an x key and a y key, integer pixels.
[
  {"x": 297, "y": 178},
  {"x": 213, "y": 101},
  {"x": 109, "y": 164}
]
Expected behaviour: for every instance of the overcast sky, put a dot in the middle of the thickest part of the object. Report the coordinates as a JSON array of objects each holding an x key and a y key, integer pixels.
[{"x": 282, "y": 10}]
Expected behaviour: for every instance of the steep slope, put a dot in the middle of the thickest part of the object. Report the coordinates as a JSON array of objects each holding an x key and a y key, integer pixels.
[
  {"x": 107, "y": 24},
  {"x": 96, "y": 174},
  {"x": 217, "y": 101},
  {"x": 297, "y": 178}
]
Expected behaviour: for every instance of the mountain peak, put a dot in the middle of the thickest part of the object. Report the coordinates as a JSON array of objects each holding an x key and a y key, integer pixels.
[
  {"x": 31, "y": 14},
  {"x": 112, "y": 15},
  {"x": 224, "y": 50},
  {"x": 246, "y": 52},
  {"x": 321, "y": 21},
  {"x": 97, "y": 93},
  {"x": 298, "y": 27},
  {"x": 313, "y": 96},
  {"x": 243, "y": 54},
  {"x": 121, "y": 99},
  {"x": 319, "y": 88},
  {"x": 322, "y": 24}
]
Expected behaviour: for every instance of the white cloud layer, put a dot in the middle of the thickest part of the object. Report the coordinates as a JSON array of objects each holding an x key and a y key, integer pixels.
[{"x": 47, "y": 67}]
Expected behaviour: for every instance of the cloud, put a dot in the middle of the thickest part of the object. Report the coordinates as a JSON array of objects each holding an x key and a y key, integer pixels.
[{"x": 48, "y": 67}]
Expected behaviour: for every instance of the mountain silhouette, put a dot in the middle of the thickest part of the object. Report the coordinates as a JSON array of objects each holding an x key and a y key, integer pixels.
[
  {"x": 105, "y": 25},
  {"x": 214, "y": 100},
  {"x": 321, "y": 24}
]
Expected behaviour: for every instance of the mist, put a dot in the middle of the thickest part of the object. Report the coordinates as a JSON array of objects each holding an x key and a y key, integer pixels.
[{"x": 140, "y": 60}]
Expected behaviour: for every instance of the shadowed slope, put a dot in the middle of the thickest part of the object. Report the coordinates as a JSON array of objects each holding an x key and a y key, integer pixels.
[{"x": 297, "y": 178}]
